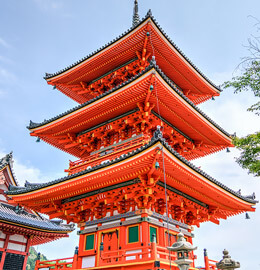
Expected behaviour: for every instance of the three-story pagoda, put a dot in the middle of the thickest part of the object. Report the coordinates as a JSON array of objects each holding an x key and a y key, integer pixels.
[{"x": 134, "y": 132}]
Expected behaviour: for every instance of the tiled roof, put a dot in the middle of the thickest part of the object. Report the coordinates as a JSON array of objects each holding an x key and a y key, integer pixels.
[
  {"x": 20, "y": 216},
  {"x": 148, "y": 15},
  {"x": 33, "y": 125},
  {"x": 155, "y": 139}
]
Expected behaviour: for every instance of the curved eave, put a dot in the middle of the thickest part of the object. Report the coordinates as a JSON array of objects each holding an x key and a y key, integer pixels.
[
  {"x": 10, "y": 174},
  {"x": 183, "y": 60},
  {"x": 36, "y": 128},
  {"x": 76, "y": 179},
  {"x": 6, "y": 163}
]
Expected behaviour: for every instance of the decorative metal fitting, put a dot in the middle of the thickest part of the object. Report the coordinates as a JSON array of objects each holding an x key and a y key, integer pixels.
[
  {"x": 157, "y": 165},
  {"x": 101, "y": 248},
  {"x": 158, "y": 134}
]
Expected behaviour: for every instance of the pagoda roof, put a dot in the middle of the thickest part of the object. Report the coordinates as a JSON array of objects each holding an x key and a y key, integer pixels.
[
  {"x": 201, "y": 186},
  {"x": 175, "y": 63},
  {"x": 21, "y": 217},
  {"x": 73, "y": 117}
]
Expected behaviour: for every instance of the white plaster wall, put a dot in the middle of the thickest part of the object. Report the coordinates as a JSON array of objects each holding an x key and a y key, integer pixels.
[
  {"x": 2, "y": 235},
  {"x": 129, "y": 258},
  {"x": 88, "y": 261},
  {"x": 18, "y": 238},
  {"x": 17, "y": 247},
  {"x": 2, "y": 244}
]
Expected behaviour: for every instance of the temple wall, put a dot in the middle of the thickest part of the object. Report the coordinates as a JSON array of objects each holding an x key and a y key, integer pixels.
[{"x": 13, "y": 251}]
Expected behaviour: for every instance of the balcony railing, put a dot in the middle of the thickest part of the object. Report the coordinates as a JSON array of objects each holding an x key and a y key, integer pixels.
[
  {"x": 115, "y": 257},
  {"x": 110, "y": 152},
  {"x": 66, "y": 263}
]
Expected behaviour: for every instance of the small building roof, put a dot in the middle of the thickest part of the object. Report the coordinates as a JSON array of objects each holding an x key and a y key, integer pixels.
[{"x": 20, "y": 216}]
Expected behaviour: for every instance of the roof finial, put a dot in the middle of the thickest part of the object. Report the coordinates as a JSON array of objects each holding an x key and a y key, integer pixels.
[{"x": 136, "y": 18}]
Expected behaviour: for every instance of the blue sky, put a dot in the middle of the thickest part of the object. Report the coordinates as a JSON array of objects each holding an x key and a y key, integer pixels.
[{"x": 38, "y": 36}]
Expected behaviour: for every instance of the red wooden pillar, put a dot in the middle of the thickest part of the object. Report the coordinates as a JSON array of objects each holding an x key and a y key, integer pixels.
[
  {"x": 99, "y": 252},
  {"x": 206, "y": 260},
  {"x": 161, "y": 236},
  {"x": 123, "y": 237},
  {"x": 145, "y": 234},
  {"x": 28, "y": 244},
  {"x": 154, "y": 249},
  {"x": 4, "y": 251}
]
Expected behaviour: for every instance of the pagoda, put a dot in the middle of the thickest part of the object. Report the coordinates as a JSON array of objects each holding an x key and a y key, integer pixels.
[
  {"x": 20, "y": 227},
  {"x": 134, "y": 132}
]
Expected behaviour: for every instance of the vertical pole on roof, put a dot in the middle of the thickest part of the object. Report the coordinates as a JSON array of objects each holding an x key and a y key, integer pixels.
[{"x": 136, "y": 18}]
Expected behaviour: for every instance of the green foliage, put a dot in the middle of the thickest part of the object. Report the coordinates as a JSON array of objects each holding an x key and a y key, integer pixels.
[
  {"x": 32, "y": 259},
  {"x": 249, "y": 80},
  {"x": 250, "y": 152}
]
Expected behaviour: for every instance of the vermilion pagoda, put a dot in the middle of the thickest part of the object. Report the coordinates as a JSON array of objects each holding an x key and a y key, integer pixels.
[
  {"x": 133, "y": 179},
  {"x": 21, "y": 228}
]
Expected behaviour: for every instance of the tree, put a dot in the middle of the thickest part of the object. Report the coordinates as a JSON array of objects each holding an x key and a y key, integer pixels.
[
  {"x": 249, "y": 80},
  {"x": 32, "y": 259}
]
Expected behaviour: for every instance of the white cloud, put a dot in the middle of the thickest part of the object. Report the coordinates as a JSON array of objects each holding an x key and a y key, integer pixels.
[
  {"x": 52, "y": 6},
  {"x": 4, "y": 43},
  {"x": 49, "y": 4},
  {"x": 6, "y": 60},
  {"x": 5, "y": 75},
  {"x": 2, "y": 93},
  {"x": 219, "y": 77},
  {"x": 24, "y": 172}
]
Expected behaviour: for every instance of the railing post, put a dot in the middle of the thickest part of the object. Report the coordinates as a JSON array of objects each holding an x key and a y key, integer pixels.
[
  {"x": 56, "y": 264},
  {"x": 206, "y": 260},
  {"x": 75, "y": 258},
  {"x": 37, "y": 261}
]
